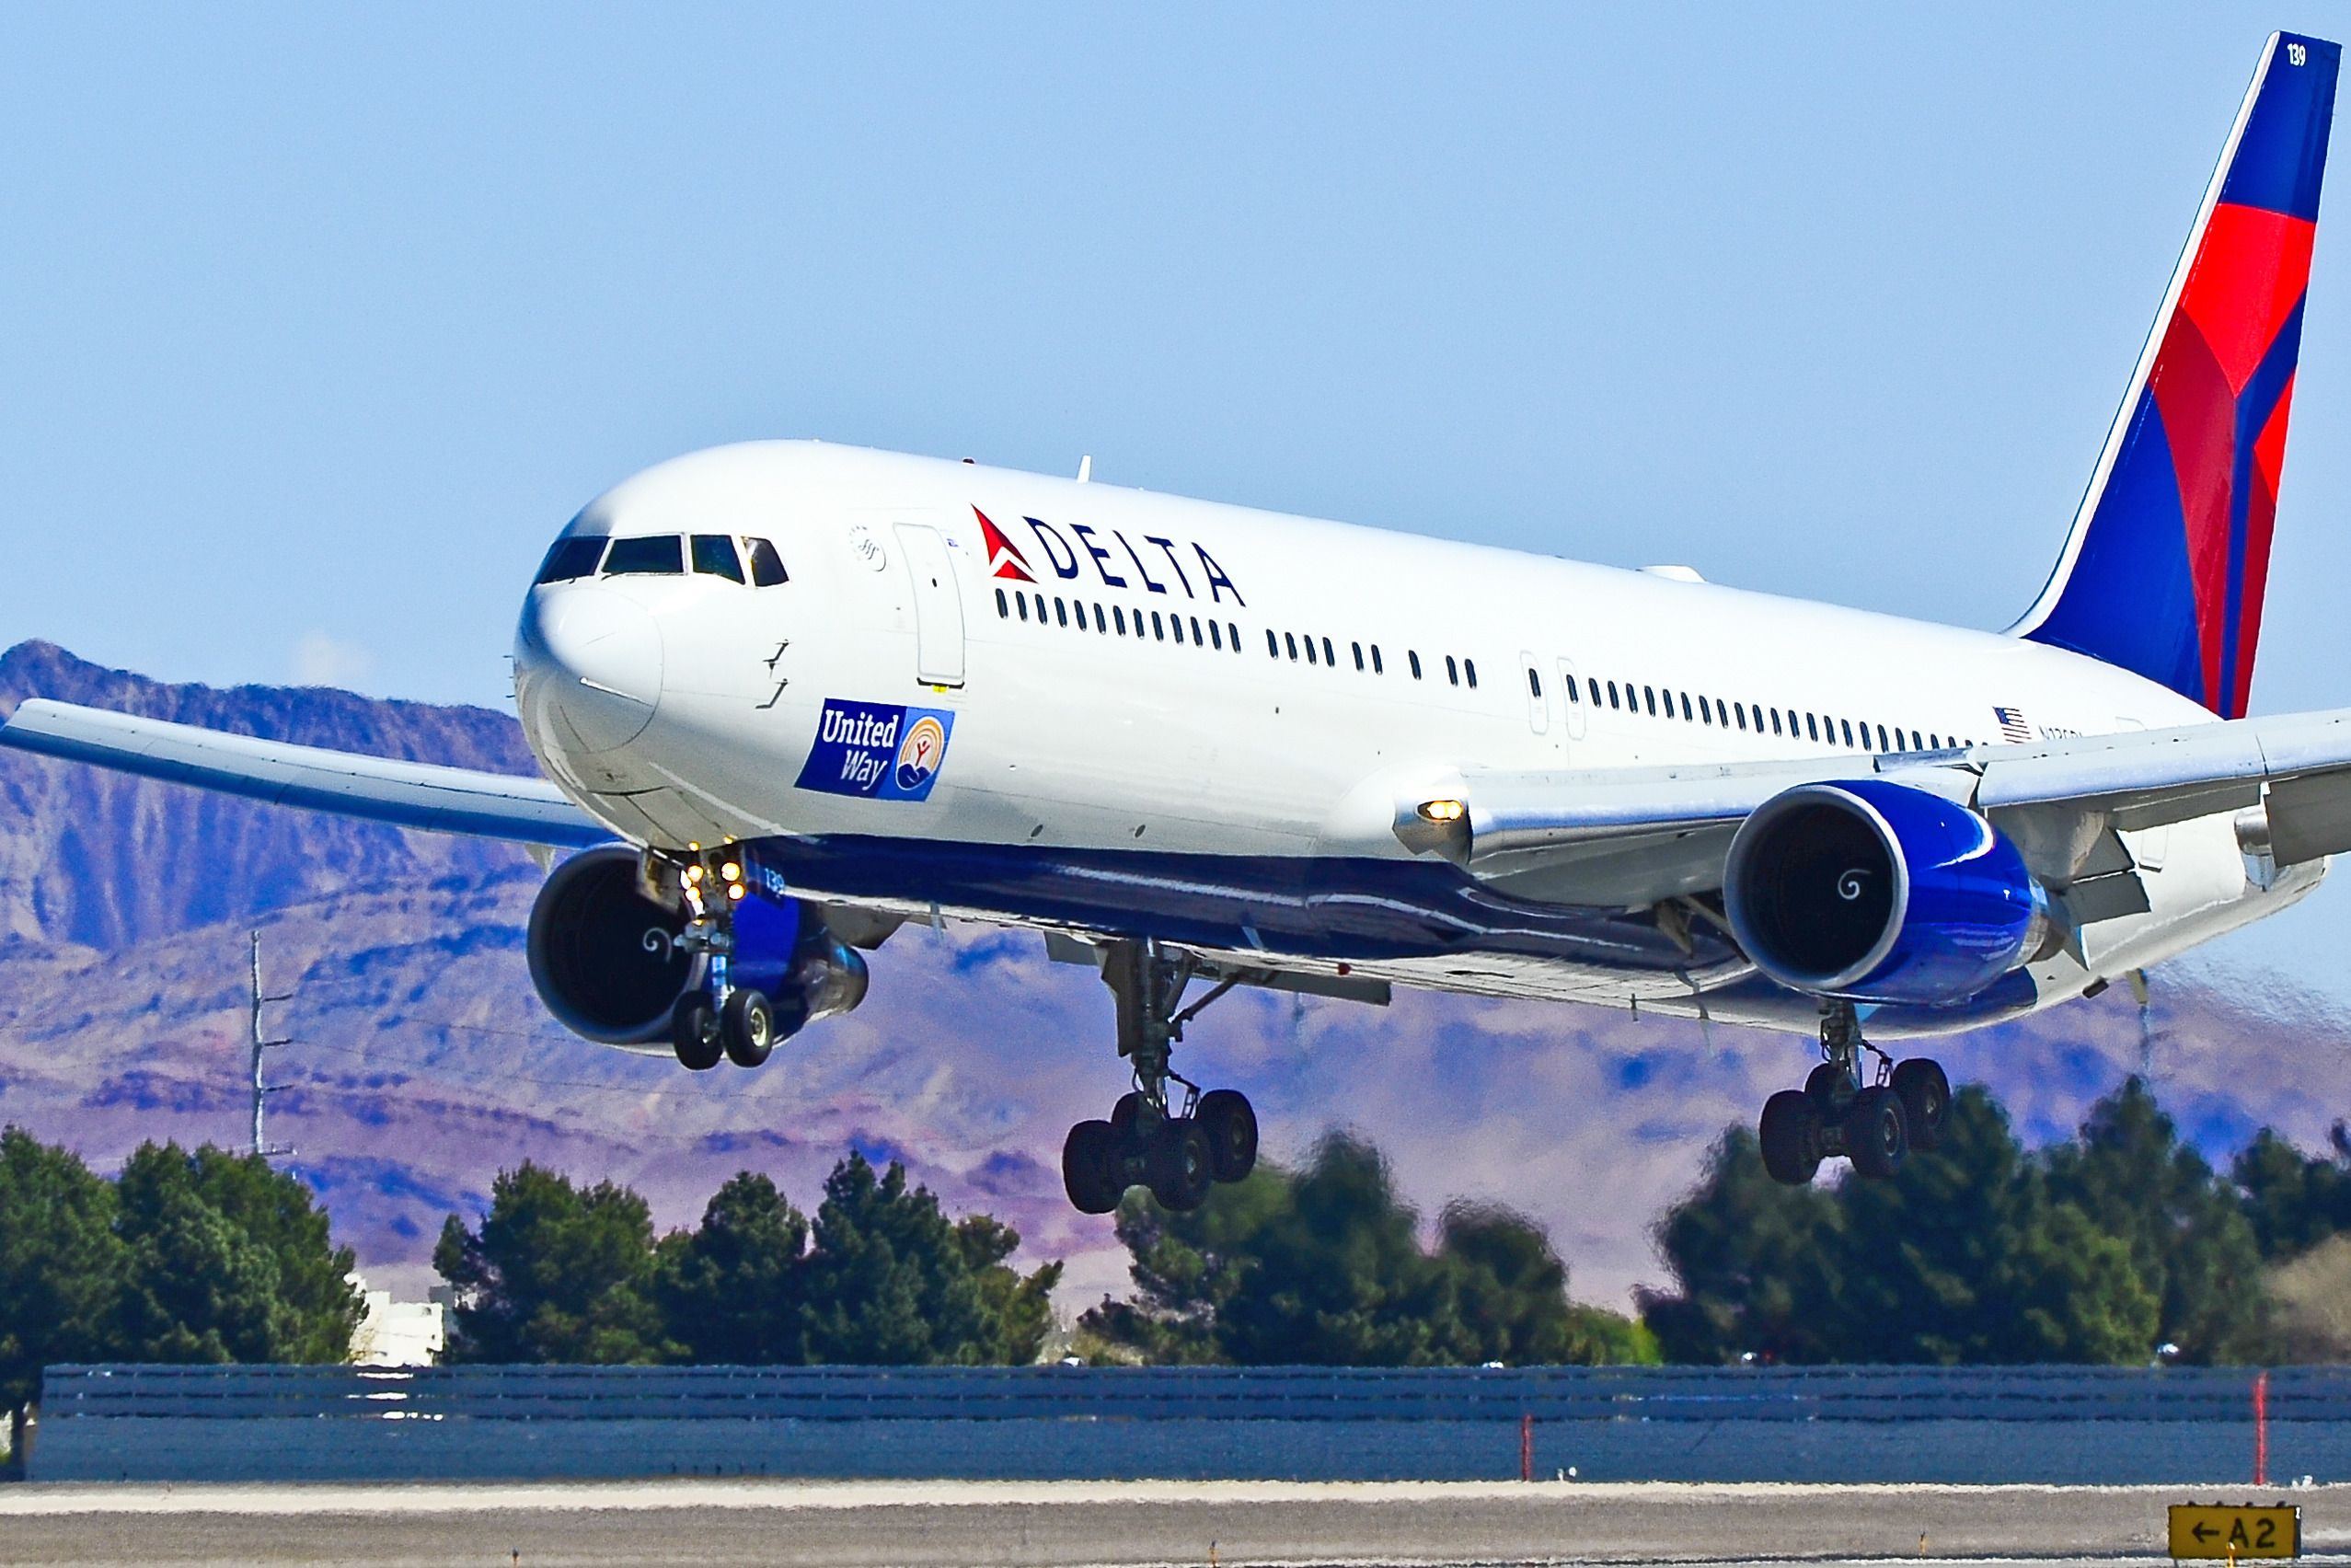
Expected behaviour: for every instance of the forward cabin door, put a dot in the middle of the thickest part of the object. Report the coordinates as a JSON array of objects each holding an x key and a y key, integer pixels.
[{"x": 938, "y": 606}]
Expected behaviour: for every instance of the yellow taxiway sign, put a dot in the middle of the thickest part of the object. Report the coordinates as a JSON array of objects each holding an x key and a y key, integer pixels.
[{"x": 2222, "y": 1529}]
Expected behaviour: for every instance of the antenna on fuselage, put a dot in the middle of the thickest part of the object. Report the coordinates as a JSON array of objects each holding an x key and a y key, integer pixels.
[{"x": 1085, "y": 469}]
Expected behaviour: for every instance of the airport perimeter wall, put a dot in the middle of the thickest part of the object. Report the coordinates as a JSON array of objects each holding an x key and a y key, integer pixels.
[{"x": 2084, "y": 1425}]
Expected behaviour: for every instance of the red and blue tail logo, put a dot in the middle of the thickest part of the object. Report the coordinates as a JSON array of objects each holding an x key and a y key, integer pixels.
[{"x": 2164, "y": 570}]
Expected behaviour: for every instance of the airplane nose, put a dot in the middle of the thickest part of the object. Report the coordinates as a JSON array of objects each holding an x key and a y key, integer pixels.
[{"x": 597, "y": 656}]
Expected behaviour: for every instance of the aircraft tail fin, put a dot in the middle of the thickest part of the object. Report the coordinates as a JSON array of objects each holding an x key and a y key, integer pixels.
[{"x": 2164, "y": 569}]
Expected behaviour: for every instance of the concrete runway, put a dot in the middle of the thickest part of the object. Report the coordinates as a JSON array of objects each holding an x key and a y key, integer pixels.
[{"x": 1073, "y": 1523}]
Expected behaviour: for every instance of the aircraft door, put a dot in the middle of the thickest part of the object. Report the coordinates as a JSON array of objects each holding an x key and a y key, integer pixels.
[
  {"x": 1571, "y": 697},
  {"x": 938, "y": 606},
  {"x": 1539, "y": 701}
]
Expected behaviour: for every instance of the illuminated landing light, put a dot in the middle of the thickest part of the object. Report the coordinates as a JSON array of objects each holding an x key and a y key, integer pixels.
[
  {"x": 730, "y": 871},
  {"x": 1443, "y": 811},
  {"x": 735, "y": 891},
  {"x": 694, "y": 873}
]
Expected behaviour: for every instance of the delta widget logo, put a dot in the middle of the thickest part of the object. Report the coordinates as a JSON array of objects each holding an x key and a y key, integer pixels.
[{"x": 877, "y": 751}]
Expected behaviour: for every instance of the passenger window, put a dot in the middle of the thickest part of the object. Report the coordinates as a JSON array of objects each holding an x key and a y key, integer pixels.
[
  {"x": 1882, "y": 743},
  {"x": 1216, "y": 636},
  {"x": 662, "y": 555},
  {"x": 1847, "y": 724},
  {"x": 1023, "y": 600},
  {"x": 1775, "y": 720},
  {"x": 1651, "y": 692},
  {"x": 1290, "y": 641},
  {"x": 1060, "y": 613},
  {"x": 1118, "y": 618},
  {"x": 1613, "y": 694},
  {"x": 714, "y": 555},
  {"x": 570, "y": 558},
  {"x": 1452, "y": 671},
  {"x": 1329, "y": 654},
  {"x": 1412, "y": 655},
  {"x": 1159, "y": 634},
  {"x": 1534, "y": 682},
  {"x": 1688, "y": 714},
  {"x": 767, "y": 566},
  {"x": 1705, "y": 711},
  {"x": 1359, "y": 655},
  {"x": 1470, "y": 668},
  {"x": 1003, "y": 610},
  {"x": 1196, "y": 632},
  {"x": 1377, "y": 667},
  {"x": 1811, "y": 727},
  {"x": 1309, "y": 647},
  {"x": 1740, "y": 710},
  {"x": 1273, "y": 649},
  {"x": 1101, "y": 622},
  {"x": 1234, "y": 632}
]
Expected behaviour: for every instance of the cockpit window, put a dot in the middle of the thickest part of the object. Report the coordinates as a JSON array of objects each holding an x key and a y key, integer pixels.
[
  {"x": 573, "y": 556},
  {"x": 714, "y": 554},
  {"x": 657, "y": 554},
  {"x": 767, "y": 566}
]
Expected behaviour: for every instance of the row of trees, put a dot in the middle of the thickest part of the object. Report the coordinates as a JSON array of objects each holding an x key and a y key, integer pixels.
[
  {"x": 202, "y": 1256},
  {"x": 557, "y": 1273},
  {"x": 2114, "y": 1247}
]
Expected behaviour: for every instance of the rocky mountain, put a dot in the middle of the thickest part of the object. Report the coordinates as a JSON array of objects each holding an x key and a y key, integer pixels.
[{"x": 422, "y": 1063}]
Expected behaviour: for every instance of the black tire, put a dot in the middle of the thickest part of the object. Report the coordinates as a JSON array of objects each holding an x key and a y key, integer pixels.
[
  {"x": 1877, "y": 1135},
  {"x": 1789, "y": 1132},
  {"x": 1182, "y": 1168},
  {"x": 747, "y": 1024},
  {"x": 1831, "y": 1089},
  {"x": 1087, "y": 1167},
  {"x": 1126, "y": 1112},
  {"x": 1230, "y": 1122},
  {"x": 1926, "y": 1100},
  {"x": 693, "y": 1032}
]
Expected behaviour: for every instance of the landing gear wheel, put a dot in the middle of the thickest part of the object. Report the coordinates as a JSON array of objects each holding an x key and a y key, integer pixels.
[
  {"x": 1231, "y": 1123},
  {"x": 694, "y": 1031},
  {"x": 748, "y": 1026},
  {"x": 1126, "y": 1112},
  {"x": 1877, "y": 1135},
  {"x": 1183, "y": 1166},
  {"x": 1790, "y": 1135},
  {"x": 1087, "y": 1167},
  {"x": 1828, "y": 1084},
  {"x": 1925, "y": 1094}
]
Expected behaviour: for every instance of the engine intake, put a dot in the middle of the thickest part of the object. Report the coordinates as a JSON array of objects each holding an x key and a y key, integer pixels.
[
  {"x": 605, "y": 961},
  {"x": 1882, "y": 893}
]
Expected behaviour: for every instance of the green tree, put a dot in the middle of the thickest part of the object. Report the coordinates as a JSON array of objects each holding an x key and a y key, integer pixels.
[
  {"x": 1323, "y": 1265},
  {"x": 227, "y": 1260},
  {"x": 732, "y": 1291},
  {"x": 1019, "y": 1305},
  {"x": 556, "y": 1274},
  {"x": 2189, "y": 1240},
  {"x": 1757, "y": 1263},
  {"x": 2293, "y": 1200},
  {"x": 892, "y": 1281},
  {"x": 61, "y": 1269}
]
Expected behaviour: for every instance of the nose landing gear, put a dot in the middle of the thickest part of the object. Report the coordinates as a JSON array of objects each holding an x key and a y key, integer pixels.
[
  {"x": 718, "y": 1020},
  {"x": 1874, "y": 1123},
  {"x": 1176, "y": 1144}
]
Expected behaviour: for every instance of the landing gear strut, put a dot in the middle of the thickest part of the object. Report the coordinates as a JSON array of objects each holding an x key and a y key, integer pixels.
[
  {"x": 718, "y": 1020},
  {"x": 1874, "y": 1121},
  {"x": 1175, "y": 1141}
]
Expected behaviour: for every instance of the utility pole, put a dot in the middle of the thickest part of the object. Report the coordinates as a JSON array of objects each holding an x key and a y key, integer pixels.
[{"x": 262, "y": 1044}]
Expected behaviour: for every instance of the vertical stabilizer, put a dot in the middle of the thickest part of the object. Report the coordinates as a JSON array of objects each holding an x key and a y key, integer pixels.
[{"x": 2164, "y": 569}]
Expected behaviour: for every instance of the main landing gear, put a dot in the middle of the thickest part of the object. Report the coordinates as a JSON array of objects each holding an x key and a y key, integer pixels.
[
  {"x": 718, "y": 1020},
  {"x": 1176, "y": 1145},
  {"x": 1875, "y": 1122}
]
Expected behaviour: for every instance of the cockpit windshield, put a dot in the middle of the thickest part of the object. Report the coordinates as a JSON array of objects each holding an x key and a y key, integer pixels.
[
  {"x": 658, "y": 554},
  {"x": 713, "y": 555},
  {"x": 767, "y": 566},
  {"x": 575, "y": 556}
]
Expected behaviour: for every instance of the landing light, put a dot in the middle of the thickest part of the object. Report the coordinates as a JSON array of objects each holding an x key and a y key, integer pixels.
[
  {"x": 735, "y": 891},
  {"x": 1443, "y": 811},
  {"x": 731, "y": 871},
  {"x": 694, "y": 873}
]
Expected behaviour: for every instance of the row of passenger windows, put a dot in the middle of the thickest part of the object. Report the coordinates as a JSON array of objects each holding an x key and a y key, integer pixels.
[
  {"x": 1792, "y": 723},
  {"x": 1289, "y": 643},
  {"x": 664, "y": 555},
  {"x": 1219, "y": 635}
]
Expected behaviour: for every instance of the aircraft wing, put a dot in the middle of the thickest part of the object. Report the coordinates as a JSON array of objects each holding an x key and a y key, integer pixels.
[
  {"x": 407, "y": 794},
  {"x": 1632, "y": 836}
]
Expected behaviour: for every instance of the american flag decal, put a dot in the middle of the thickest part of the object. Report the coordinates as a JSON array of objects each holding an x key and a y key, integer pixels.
[{"x": 2012, "y": 724}]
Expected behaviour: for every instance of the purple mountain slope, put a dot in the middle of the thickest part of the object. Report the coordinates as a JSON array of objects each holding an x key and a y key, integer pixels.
[{"x": 422, "y": 1063}]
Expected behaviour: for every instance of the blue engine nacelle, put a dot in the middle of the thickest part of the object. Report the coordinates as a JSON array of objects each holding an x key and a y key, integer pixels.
[
  {"x": 1882, "y": 893},
  {"x": 605, "y": 961}
]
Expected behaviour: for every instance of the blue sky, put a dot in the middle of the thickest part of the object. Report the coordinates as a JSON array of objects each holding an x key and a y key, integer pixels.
[{"x": 320, "y": 320}]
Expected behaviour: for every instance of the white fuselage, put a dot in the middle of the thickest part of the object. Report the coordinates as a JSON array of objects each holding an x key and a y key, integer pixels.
[{"x": 1094, "y": 777}]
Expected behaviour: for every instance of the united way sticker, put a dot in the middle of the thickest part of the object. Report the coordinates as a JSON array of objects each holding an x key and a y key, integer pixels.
[{"x": 877, "y": 750}]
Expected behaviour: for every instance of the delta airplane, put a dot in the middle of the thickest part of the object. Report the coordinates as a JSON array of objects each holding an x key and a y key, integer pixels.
[{"x": 789, "y": 695}]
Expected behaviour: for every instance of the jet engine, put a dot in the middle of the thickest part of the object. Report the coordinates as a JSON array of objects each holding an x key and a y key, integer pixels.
[
  {"x": 1882, "y": 893},
  {"x": 606, "y": 960}
]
